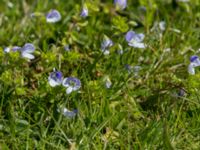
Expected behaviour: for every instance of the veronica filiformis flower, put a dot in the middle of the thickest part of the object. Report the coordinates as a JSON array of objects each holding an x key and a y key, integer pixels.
[
  {"x": 194, "y": 62},
  {"x": 84, "y": 11},
  {"x": 53, "y": 16},
  {"x": 162, "y": 26},
  {"x": 55, "y": 78},
  {"x": 27, "y": 50},
  {"x": 7, "y": 49},
  {"x": 135, "y": 40},
  {"x": 108, "y": 82},
  {"x": 67, "y": 113},
  {"x": 106, "y": 44},
  {"x": 120, "y": 4},
  {"x": 72, "y": 84},
  {"x": 133, "y": 69}
]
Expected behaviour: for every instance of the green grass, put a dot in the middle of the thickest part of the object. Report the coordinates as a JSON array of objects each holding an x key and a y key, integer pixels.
[{"x": 137, "y": 112}]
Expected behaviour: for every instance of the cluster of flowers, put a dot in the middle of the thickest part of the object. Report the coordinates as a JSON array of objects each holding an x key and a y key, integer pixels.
[
  {"x": 70, "y": 83},
  {"x": 26, "y": 50},
  {"x": 73, "y": 84}
]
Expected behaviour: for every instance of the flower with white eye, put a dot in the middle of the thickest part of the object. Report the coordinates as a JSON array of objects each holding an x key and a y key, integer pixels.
[
  {"x": 106, "y": 44},
  {"x": 67, "y": 113},
  {"x": 135, "y": 40},
  {"x": 84, "y": 12},
  {"x": 27, "y": 50},
  {"x": 72, "y": 84},
  {"x": 53, "y": 16},
  {"x": 194, "y": 62},
  {"x": 55, "y": 78},
  {"x": 120, "y": 4}
]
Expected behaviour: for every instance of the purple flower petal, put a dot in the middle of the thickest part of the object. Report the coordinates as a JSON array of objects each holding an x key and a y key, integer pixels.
[
  {"x": 55, "y": 78},
  {"x": 193, "y": 58},
  {"x": 16, "y": 48},
  {"x": 84, "y": 12},
  {"x": 28, "y": 48},
  {"x": 53, "y": 16},
  {"x": 107, "y": 42},
  {"x": 122, "y": 4}
]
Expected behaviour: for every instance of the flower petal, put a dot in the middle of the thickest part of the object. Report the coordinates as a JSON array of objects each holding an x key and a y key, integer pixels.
[
  {"x": 6, "y": 49},
  {"x": 68, "y": 113},
  {"x": 27, "y": 55},
  {"x": 69, "y": 90},
  {"x": 191, "y": 69},
  {"x": 121, "y": 3},
  {"x": 28, "y": 48},
  {"x": 137, "y": 45},
  {"x": 52, "y": 82},
  {"x": 84, "y": 12},
  {"x": 53, "y": 16}
]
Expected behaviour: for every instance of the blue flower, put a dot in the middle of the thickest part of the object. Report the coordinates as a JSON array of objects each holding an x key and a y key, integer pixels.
[
  {"x": 27, "y": 50},
  {"x": 55, "y": 78},
  {"x": 84, "y": 12},
  {"x": 72, "y": 84},
  {"x": 121, "y": 4},
  {"x": 108, "y": 83},
  {"x": 68, "y": 113},
  {"x": 67, "y": 48},
  {"x": 162, "y": 25},
  {"x": 135, "y": 40},
  {"x": 106, "y": 44},
  {"x": 6, "y": 49},
  {"x": 133, "y": 69},
  {"x": 53, "y": 16},
  {"x": 194, "y": 62}
]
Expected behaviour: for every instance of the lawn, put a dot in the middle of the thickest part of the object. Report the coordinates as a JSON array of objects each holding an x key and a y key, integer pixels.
[{"x": 100, "y": 74}]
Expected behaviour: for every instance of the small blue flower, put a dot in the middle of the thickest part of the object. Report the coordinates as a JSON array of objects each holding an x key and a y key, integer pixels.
[
  {"x": 162, "y": 25},
  {"x": 106, "y": 44},
  {"x": 194, "y": 62},
  {"x": 84, "y": 12},
  {"x": 121, "y": 4},
  {"x": 72, "y": 84},
  {"x": 181, "y": 93},
  {"x": 6, "y": 49},
  {"x": 53, "y": 16},
  {"x": 133, "y": 69},
  {"x": 68, "y": 113},
  {"x": 135, "y": 40},
  {"x": 27, "y": 50},
  {"x": 67, "y": 48},
  {"x": 128, "y": 68},
  {"x": 108, "y": 83},
  {"x": 55, "y": 78}
]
